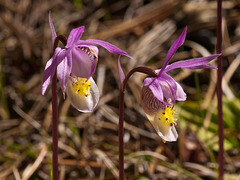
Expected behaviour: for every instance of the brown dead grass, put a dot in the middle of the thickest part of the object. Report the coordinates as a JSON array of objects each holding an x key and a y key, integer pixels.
[{"x": 88, "y": 143}]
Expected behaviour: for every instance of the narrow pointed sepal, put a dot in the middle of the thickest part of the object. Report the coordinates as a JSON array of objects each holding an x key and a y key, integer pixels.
[{"x": 53, "y": 32}]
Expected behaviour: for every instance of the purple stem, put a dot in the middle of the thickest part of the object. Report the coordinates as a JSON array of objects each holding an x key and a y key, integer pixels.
[
  {"x": 55, "y": 114},
  {"x": 219, "y": 91},
  {"x": 54, "y": 128},
  {"x": 149, "y": 72},
  {"x": 120, "y": 136}
]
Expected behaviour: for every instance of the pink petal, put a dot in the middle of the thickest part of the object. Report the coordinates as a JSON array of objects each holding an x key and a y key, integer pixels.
[
  {"x": 83, "y": 62},
  {"x": 196, "y": 63},
  {"x": 111, "y": 48},
  {"x": 173, "y": 49},
  {"x": 48, "y": 74},
  {"x": 64, "y": 70},
  {"x": 74, "y": 36},
  {"x": 53, "y": 32},
  {"x": 156, "y": 88},
  {"x": 164, "y": 88},
  {"x": 51, "y": 68},
  {"x": 180, "y": 94}
]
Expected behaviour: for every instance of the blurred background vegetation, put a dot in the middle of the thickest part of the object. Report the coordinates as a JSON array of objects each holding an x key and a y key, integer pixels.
[{"x": 88, "y": 143}]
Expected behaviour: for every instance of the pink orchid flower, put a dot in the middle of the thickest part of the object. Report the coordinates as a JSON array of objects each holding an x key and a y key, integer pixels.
[
  {"x": 75, "y": 64},
  {"x": 160, "y": 93}
]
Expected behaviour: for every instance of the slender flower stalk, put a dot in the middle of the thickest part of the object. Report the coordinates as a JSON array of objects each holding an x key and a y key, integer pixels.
[
  {"x": 54, "y": 128},
  {"x": 219, "y": 91},
  {"x": 55, "y": 115},
  {"x": 120, "y": 136},
  {"x": 124, "y": 80}
]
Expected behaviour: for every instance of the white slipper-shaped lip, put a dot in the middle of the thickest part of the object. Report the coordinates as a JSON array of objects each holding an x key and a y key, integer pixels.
[{"x": 83, "y": 102}]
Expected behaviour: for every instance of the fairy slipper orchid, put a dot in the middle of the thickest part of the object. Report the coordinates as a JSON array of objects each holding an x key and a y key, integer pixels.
[
  {"x": 160, "y": 93},
  {"x": 77, "y": 60}
]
